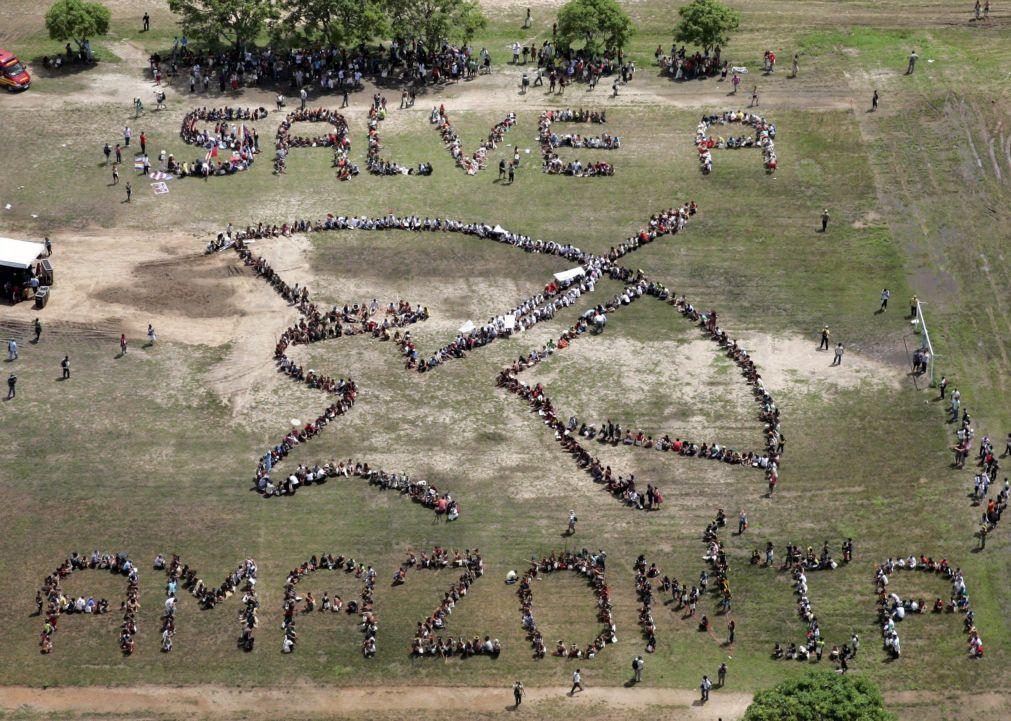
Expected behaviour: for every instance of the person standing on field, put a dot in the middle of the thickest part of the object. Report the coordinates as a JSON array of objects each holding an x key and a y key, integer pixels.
[
  {"x": 837, "y": 361},
  {"x": 796, "y": 65},
  {"x": 824, "y": 220},
  {"x": 874, "y": 101},
  {"x": 885, "y": 295},
  {"x": 913, "y": 57},
  {"x": 825, "y": 333}
]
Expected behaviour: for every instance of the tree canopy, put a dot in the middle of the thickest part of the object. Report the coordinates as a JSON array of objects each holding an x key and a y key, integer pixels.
[
  {"x": 820, "y": 696},
  {"x": 601, "y": 25},
  {"x": 706, "y": 23},
  {"x": 235, "y": 22},
  {"x": 343, "y": 23},
  {"x": 77, "y": 20},
  {"x": 435, "y": 22}
]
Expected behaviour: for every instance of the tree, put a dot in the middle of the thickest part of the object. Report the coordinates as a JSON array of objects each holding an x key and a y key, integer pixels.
[
  {"x": 77, "y": 20},
  {"x": 236, "y": 22},
  {"x": 820, "y": 696},
  {"x": 601, "y": 25},
  {"x": 435, "y": 22},
  {"x": 707, "y": 23},
  {"x": 343, "y": 23}
]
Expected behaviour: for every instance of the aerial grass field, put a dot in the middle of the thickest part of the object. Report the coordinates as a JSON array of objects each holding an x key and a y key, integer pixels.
[{"x": 153, "y": 452}]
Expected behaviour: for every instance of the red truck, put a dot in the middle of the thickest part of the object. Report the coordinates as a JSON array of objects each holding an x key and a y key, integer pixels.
[{"x": 13, "y": 74}]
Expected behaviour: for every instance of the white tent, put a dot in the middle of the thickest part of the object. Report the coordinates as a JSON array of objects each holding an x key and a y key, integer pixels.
[
  {"x": 467, "y": 327},
  {"x": 498, "y": 229},
  {"x": 570, "y": 274},
  {"x": 19, "y": 253},
  {"x": 509, "y": 322}
]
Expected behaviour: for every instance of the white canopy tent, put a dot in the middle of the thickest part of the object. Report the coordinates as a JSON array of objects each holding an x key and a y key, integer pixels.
[
  {"x": 467, "y": 327},
  {"x": 570, "y": 274},
  {"x": 19, "y": 254}
]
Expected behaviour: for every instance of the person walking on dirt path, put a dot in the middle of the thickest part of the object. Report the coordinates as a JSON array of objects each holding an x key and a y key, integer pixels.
[
  {"x": 824, "y": 220},
  {"x": 119, "y": 153},
  {"x": 942, "y": 386},
  {"x": 122, "y": 343},
  {"x": 913, "y": 57},
  {"x": 129, "y": 191},
  {"x": 524, "y": 83},
  {"x": 65, "y": 367},
  {"x": 12, "y": 381},
  {"x": 754, "y": 97},
  {"x": 49, "y": 247},
  {"x": 614, "y": 87},
  {"x": 571, "y": 530},
  {"x": 303, "y": 95},
  {"x": 914, "y": 304},
  {"x": 742, "y": 522},
  {"x": 151, "y": 335},
  {"x": 795, "y": 68},
  {"x": 577, "y": 681},
  {"x": 147, "y": 23},
  {"x": 837, "y": 361},
  {"x": 721, "y": 675},
  {"x": 977, "y": 11},
  {"x": 705, "y": 687},
  {"x": 874, "y": 102},
  {"x": 344, "y": 98},
  {"x": 512, "y": 173},
  {"x": 518, "y": 692},
  {"x": 115, "y": 174},
  {"x": 731, "y": 631},
  {"x": 502, "y": 169},
  {"x": 885, "y": 295},
  {"x": 735, "y": 81},
  {"x": 38, "y": 330},
  {"x": 986, "y": 10},
  {"x": 825, "y": 333},
  {"x": 12, "y": 350},
  {"x": 127, "y": 134},
  {"x": 107, "y": 150},
  {"x": 143, "y": 143},
  {"x": 528, "y": 21}
]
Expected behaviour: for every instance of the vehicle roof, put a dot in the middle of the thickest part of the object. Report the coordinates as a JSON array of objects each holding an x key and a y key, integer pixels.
[{"x": 6, "y": 55}]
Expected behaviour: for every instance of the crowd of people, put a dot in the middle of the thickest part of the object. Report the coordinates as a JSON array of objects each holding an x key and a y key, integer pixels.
[
  {"x": 592, "y": 567},
  {"x": 338, "y": 139},
  {"x": 892, "y": 608},
  {"x": 638, "y": 285},
  {"x": 326, "y": 67},
  {"x": 550, "y": 141},
  {"x": 316, "y": 325},
  {"x": 374, "y": 161},
  {"x": 987, "y": 462},
  {"x": 230, "y": 135},
  {"x": 764, "y": 137},
  {"x": 682, "y": 66},
  {"x": 52, "y": 602},
  {"x": 182, "y": 577},
  {"x": 479, "y": 159},
  {"x": 799, "y": 563},
  {"x": 428, "y": 639},
  {"x": 362, "y": 607}
]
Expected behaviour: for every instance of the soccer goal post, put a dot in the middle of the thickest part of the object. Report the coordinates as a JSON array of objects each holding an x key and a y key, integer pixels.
[{"x": 920, "y": 323}]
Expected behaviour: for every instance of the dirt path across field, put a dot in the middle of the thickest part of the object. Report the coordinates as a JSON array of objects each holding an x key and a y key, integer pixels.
[{"x": 314, "y": 702}]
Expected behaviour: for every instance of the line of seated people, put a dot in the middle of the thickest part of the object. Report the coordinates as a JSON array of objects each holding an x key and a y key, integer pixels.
[
  {"x": 891, "y": 608},
  {"x": 368, "y": 623},
  {"x": 339, "y": 138},
  {"x": 592, "y": 567},
  {"x": 478, "y": 160},
  {"x": 373, "y": 161},
  {"x": 427, "y": 639},
  {"x": 54, "y": 602}
]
